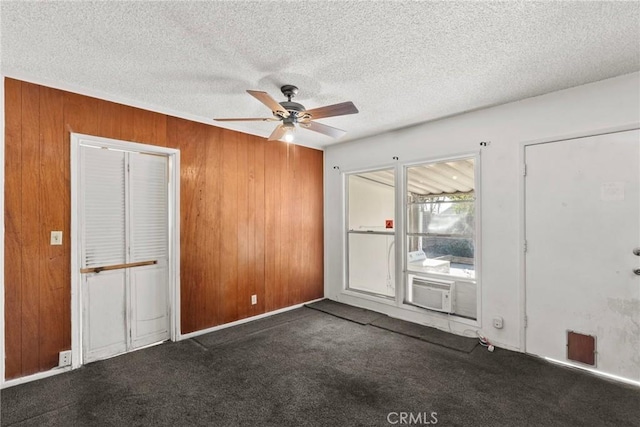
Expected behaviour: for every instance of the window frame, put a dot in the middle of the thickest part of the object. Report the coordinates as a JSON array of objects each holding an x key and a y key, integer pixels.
[
  {"x": 404, "y": 280},
  {"x": 400, "y": 171},
  {"x": 347, "y": 232}
]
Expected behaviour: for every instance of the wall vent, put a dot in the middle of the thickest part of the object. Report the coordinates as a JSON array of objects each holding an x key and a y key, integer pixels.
[{"x": 581, "y": 348}]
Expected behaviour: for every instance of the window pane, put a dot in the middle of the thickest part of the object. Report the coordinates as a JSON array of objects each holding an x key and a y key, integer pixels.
[
  {"x": 440, "y": 230},
  {"x": 371, "y": 200},
  {"x": 371, "y": 257},
  {"x": 442, "y": 255},
  {"x": 443, "y": 216},
  {"x": 372, "y": 263}
]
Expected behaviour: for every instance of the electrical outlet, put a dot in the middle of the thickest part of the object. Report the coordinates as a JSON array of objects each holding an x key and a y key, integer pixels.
[
  {"x": 254, "y": 299},
  {"x": 497, "y": 322},
  {"x": 65, "y": 358},
  {"x": 56, "y": 238}
]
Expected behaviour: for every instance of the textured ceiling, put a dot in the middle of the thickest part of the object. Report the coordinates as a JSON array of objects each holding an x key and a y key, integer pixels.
[{"x": 401, "y": 63}]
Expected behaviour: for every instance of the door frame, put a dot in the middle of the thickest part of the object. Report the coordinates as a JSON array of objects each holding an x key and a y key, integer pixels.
[
  {"x": 522, "y": 288},
  {"x": 173, "y": 156}
]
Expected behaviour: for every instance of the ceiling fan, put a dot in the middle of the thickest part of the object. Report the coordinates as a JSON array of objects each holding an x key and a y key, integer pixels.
[{"x": 291, "y": 113}]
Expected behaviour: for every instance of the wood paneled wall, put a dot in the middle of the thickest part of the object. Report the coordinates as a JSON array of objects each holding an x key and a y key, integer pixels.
[{"x": 251, "y": 217}]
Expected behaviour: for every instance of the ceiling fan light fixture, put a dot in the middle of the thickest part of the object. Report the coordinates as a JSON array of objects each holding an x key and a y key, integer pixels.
[
  {"x": 289, "y": 133},
  {"x": 288, "y": 136}
]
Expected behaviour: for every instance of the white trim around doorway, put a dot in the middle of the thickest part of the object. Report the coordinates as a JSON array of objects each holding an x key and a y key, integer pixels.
[{"x": 173, "y": 155}]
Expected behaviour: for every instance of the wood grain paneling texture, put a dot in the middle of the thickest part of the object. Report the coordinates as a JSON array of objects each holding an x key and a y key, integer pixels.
[
  {"x": 32, "y": 245},
  {"x": 13, "y": 229},
  {"x": 54, "y": 262},
  {"x": 251, "y": 218},
  {"x": 229, "y": 226}
]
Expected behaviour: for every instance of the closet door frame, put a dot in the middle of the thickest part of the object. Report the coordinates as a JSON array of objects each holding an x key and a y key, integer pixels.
[{"x": 173, "y": 155}]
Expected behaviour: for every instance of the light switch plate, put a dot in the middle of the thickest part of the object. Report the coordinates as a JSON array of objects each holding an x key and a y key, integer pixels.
[
  {"x": 254, "y": 299},
  {"x": 56, "y": 238}
]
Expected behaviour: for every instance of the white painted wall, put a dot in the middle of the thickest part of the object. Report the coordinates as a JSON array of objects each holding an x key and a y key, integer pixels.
[
  {"x": 584, "y": 109},
  {"x": 370, "y": 266}
]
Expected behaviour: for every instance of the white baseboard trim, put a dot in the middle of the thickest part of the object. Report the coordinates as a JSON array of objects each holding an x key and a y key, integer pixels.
[
  {"x": 591, "y": 371},
  {"x": 35, "y": 377},
  {"x": 56, "y": 371},
  {"x": 504, "y": 346},
  {"x": 240, "y": 322}
]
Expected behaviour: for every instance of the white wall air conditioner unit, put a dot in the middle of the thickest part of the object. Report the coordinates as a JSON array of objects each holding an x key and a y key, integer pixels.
[{"x": 432, "y": 294}]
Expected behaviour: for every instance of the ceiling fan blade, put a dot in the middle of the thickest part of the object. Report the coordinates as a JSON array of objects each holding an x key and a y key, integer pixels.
[
  {"x": 267, "y": 100},
  {"x": 268, "y": 119},
  {"x": 324, "y": 129},
  {"x": 341, "y": 109},
  {"x": 277, "y": 133}
]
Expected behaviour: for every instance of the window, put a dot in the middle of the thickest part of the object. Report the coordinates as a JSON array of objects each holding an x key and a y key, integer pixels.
[
  {"x": 441, "y": 229},
  {"x": 371, "y": 233},
  {"x": 438, "y": 235}
]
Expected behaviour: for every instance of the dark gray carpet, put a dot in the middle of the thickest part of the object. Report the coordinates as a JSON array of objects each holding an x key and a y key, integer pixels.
[
  {"x": 344, "y": 311},
  {"x": 318, "y": 370},
  {"x": 246, "y": 330},
  {"x": 425, "y": 333},
  {"x": 368, "y": 317}
]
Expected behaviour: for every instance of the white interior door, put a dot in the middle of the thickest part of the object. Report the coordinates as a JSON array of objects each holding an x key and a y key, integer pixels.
[
  {"x": 104, "y": 299},
  {"x": 124, "y": 250},
  {"x": 149, "y": 237},
  {"x": 582, "y": 220}
]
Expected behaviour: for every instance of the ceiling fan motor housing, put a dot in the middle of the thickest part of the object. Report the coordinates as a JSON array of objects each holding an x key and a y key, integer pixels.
[{"x": 293, "y": 108}]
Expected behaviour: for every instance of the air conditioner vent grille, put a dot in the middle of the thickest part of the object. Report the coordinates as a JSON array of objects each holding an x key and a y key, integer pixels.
[
  {"x": 432, "y": 294},
  {"x": 433, "y": 285}
]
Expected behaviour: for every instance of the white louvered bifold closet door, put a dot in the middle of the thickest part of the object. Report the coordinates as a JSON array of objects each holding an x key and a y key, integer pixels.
[
  {"x": 103, "y": 231},
  {"x": 148, "y": 213},
  {"x": 104, "y": 215},
  {"x": 148, "y": 208},
  {"x": 124, "y": 220}
]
